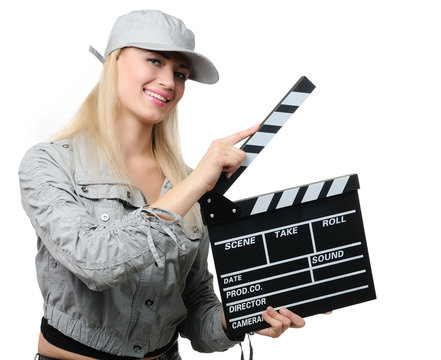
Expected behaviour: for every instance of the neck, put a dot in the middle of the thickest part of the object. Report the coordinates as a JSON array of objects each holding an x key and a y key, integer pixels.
[{"x": 135, "y": 138}]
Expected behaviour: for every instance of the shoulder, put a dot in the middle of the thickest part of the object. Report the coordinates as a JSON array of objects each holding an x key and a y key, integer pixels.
[
  {"x": 54, "y": 148},
  {"x": 54, "y": 152}
]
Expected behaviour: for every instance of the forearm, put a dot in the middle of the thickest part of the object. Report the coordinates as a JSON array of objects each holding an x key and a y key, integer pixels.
[
  {"x": 182, "y": 196},
  {"x": 203, "y": 325}
]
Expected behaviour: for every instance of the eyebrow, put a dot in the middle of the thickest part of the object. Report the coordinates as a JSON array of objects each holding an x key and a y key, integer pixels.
[{"x": 168, "y": 58}]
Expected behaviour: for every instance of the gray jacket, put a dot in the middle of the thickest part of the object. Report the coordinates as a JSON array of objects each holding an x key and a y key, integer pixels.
[{"x": 114, "y": 275}]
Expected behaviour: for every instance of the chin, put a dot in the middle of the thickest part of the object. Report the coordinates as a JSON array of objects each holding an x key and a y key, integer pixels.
[{"x": 148, "y": 119}]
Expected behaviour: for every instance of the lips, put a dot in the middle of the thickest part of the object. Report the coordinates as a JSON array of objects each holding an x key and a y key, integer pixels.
[{"x": 157, "y": 95}]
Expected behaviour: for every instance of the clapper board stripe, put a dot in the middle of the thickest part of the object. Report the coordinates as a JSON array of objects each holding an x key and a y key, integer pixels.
[
  {"x": 272, "y": 124},
  {"x": 298, "y": 195},
  {"x": 268, "y": 128}
]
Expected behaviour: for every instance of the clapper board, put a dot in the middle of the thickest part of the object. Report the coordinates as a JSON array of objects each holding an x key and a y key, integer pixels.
[{"x": 303, "y": 248}]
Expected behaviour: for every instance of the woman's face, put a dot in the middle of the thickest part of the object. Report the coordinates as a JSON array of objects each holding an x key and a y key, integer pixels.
[{"x": 150, "y": 83}]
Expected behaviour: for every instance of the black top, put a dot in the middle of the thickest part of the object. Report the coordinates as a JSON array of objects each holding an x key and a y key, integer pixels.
[{"x": 62, "y": 341}]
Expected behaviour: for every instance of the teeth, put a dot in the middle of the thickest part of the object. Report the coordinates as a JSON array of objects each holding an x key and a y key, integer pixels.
[{"x": 156, "y": 96}]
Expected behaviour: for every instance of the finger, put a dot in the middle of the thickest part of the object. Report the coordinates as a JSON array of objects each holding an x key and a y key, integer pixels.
[
  {"x": 240, "y": 135},
  {"x": 279, "y": 323},
  {"x": 236, "y": 157},
  {"x": 285, "y": 321},
  {"x": 296, "y": 320},
  {"x": 275, "y": 327}
]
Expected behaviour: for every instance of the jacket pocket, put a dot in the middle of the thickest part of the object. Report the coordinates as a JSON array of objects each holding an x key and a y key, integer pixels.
[{"x": 106, "y": 202}]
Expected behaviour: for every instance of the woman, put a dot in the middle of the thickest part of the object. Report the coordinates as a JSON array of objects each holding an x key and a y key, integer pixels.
[{"x": 122, "y": 254}]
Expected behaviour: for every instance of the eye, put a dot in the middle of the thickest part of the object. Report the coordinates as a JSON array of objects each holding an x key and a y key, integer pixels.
[
  {"x": 181, "y": 76},
  {"x": 154, "y": 61}
]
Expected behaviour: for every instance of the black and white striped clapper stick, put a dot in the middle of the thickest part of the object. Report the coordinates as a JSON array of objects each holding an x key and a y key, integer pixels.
[{"x": 269, "y": 127}]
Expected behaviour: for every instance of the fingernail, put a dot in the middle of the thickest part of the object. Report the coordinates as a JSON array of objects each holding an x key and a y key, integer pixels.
[
  {"x": 283, "y": 311},
  {"x": 271, "y": 310}
]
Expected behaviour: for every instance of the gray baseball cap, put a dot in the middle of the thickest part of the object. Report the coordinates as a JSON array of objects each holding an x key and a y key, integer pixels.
[{"x": 155, "y": 30}]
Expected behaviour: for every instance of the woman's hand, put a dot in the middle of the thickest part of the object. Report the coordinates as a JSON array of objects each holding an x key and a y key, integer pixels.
[
  {"x": 220, "y": 157},
  {"x": 280, "y": 322}
]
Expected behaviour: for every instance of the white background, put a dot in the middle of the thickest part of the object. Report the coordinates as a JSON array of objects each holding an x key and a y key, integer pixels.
[{"x": 377, "y": 68}]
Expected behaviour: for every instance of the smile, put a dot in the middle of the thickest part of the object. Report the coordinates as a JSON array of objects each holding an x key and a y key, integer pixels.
[{"x": 156, "y": 96}]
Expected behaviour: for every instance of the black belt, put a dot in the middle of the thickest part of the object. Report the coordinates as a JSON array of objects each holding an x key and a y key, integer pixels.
[{"x": 172, "y": 349}]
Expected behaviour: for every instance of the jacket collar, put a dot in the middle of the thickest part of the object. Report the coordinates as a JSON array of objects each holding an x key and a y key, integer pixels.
[{"x": 91, "y": 165}]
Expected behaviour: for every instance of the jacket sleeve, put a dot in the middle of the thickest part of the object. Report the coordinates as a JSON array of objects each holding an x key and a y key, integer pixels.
[
  {"x": 102, "y": 256},
  {"x": 203, "y": 325}
]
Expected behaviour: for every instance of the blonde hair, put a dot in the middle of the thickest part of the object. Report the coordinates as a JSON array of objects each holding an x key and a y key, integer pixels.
[{"x": 97, "y": 117}]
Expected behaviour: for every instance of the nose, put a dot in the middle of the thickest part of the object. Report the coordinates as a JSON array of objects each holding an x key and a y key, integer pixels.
[{"x": 167, "y": 78}]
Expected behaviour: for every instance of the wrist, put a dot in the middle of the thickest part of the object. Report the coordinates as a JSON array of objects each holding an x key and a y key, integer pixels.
[{"x": 195, "y": 181}]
